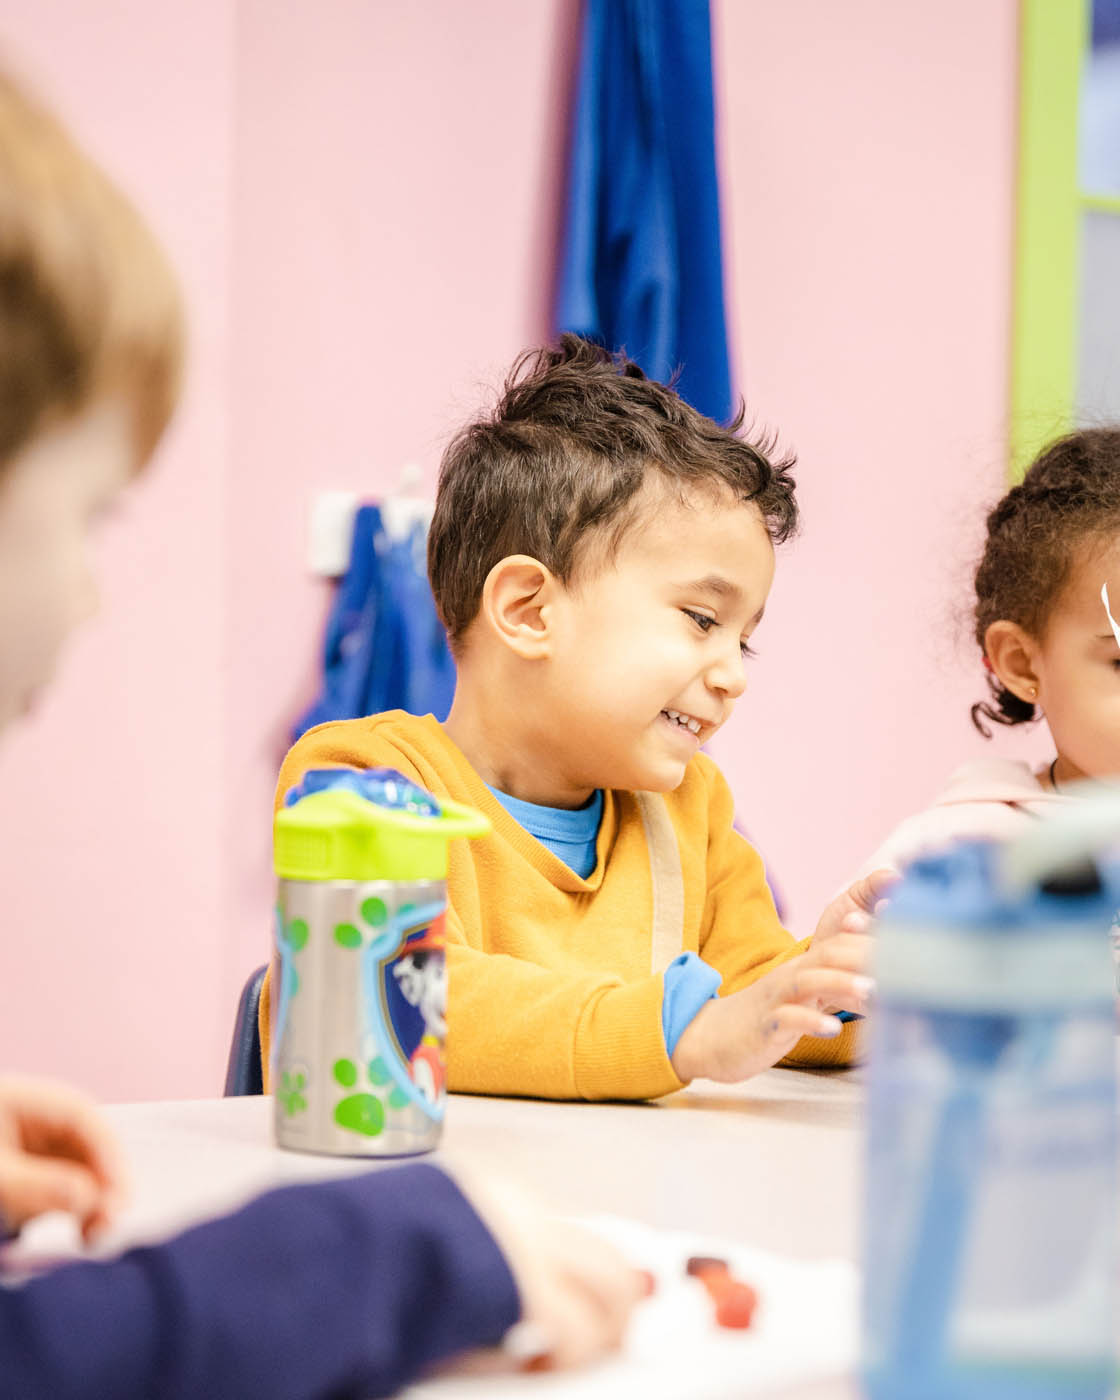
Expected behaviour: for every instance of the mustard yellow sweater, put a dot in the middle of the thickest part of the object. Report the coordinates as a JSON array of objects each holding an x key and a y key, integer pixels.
[{"x": 555, "y": 982}]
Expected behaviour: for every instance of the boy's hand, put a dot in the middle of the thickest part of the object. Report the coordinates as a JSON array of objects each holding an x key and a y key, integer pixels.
[
  {"x": 577, "y": 1292},
  {"x": 851, "y": 911},
  {"x": 56, "y": 1153},
  {"x": 733, "y": 1037}
]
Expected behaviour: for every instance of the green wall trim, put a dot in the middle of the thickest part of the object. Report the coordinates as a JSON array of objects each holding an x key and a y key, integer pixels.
[
  {"x": 1052, "y": 39},
  {"x": 1101, "y": 203}
]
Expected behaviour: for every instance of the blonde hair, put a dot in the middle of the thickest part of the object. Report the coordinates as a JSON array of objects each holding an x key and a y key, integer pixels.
[{"x": 89, "y": 305}]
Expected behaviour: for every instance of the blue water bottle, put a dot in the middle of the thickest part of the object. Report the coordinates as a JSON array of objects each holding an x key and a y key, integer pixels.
[{"x": 991, "y": 1206}]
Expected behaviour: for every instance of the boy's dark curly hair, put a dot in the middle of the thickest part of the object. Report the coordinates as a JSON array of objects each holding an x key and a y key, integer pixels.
[
  {"x": 563, "y": 457},
  {"x": 1069, "y": 498}
]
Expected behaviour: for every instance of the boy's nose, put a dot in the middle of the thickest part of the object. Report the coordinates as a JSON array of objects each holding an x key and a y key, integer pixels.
[{"x": 729, "y": 675}]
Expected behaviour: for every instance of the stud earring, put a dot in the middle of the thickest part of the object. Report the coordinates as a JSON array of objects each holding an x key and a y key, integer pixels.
[{"x": 1032, "y": 691}]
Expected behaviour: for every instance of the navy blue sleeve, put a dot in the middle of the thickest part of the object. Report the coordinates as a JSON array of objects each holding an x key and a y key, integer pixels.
[{"x": 346, "y": 1288}]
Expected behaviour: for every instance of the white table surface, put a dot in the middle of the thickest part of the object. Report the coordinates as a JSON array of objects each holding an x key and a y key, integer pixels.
[{"x": 774, "y": 1163}]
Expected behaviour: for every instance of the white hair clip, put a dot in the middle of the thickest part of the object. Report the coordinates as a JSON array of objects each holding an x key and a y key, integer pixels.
[{"x": 1108, "y": 613}]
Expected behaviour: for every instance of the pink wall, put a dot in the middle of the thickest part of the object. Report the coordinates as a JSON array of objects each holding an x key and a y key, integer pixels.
[
  {"x": 362, "y": 199},
  {"x": 113, "y": 919},
  {"x": 868, "y": 156}
]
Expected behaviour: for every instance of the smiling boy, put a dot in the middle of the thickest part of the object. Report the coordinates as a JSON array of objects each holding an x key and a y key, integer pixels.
[{"x": 601, "y": 555}]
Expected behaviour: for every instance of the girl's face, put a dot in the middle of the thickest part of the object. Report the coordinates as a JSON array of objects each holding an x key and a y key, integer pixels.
[
  {"x": 50, "y": 495},
  {"x": 1077, "y": 663}
]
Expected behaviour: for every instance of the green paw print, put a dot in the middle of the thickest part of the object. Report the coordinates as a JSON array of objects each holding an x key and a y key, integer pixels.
[
  {"x": 294, "y": 936},
  {"x": 363, "y": 1112},
  {"x": 292, "y": 1085},
  {"x": 374, "y": 913}
]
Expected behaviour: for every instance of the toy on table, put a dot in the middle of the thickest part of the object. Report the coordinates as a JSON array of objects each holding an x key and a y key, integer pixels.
[{"x": 735, "y": 1300}]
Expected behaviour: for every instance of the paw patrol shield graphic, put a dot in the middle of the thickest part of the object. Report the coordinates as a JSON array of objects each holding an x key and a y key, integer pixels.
[
  {"x": 412, "y": 992},
  {"x": 359, "y": 963}
]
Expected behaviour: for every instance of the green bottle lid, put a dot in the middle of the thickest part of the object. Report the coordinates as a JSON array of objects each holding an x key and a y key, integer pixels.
[{"x": 337, "y": 834}]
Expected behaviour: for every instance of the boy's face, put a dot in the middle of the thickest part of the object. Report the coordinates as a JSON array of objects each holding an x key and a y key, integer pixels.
[
  {"x": 51, "y": 492},
  {"x": 1078, "y": 669},
  {"x": 650, "y": 651}
]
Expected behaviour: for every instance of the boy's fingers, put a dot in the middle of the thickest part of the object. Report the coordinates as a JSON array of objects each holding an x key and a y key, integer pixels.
[
  {"x": 831, "y": 985},
  {"x": 577, "y": 1330},
  {"x": 790, "y": 1022},
  {"x": 30, "y": 1186},
  {"x": 850, "y": 951},
  {"x": 868, "y": 891},
  {"x": 610, "y": 1284},
  {"x": 54, "y": 1120}
]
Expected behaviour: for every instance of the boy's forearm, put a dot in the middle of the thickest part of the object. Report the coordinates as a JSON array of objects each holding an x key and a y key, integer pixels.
[{"x": 515, "y": 1027}]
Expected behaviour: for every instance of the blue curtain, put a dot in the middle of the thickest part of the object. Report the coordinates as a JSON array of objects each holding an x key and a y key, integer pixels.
[
  {"x": 385, "y": 647},
  {"x": 641, "y": 265}
]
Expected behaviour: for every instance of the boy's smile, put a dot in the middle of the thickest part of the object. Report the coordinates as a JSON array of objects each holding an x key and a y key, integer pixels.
[{"x": 689, "y": 723}]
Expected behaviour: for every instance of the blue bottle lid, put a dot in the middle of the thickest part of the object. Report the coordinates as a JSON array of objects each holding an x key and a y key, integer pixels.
[
  {"x": 384, "y": 787},
  {"x": 957, "y": 934}
]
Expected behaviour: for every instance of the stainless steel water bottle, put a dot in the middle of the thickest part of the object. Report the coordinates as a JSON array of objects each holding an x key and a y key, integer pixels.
[{"x": 358, "y": 962}]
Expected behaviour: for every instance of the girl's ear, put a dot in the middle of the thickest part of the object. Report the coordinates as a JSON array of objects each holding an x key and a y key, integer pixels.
[
  {"x": 516, "y": 606},
  {"x": 1011, "y": 652}
]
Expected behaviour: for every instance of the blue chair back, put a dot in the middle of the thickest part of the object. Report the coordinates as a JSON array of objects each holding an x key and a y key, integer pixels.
[{"x": 244, "y": 1073}]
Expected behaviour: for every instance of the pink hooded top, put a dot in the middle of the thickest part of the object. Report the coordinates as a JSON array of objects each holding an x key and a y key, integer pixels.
[{"x": 988, "y": 797}]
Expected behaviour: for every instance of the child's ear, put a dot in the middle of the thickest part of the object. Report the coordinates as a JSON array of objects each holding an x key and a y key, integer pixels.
[
  {"x": 516, "y": 605},
  {"x": 1011, "y": 652}
]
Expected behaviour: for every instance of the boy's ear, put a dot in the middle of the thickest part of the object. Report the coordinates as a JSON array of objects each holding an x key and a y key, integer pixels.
[
  {"x": 517, "y": 605},
  {"x": 1012, "y": 654}
]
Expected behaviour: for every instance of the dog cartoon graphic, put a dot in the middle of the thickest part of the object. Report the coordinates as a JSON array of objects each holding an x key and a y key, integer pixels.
[{"x": 421, "y": 975}]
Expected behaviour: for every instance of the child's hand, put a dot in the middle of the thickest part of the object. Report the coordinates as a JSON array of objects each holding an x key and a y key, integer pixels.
[
  {"x": 851, "y": 911},
  {"x": 56, "y": 1153},
  {"x": 733, "y": 1037},
  {"x": 577, "y": 1292}
]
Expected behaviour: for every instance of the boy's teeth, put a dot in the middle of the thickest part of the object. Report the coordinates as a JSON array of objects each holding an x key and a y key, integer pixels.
[{"x": 684, "y": 721}]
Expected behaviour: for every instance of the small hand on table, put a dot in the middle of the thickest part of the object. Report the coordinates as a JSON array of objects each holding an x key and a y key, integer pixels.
[{"x": 56, "y": 1153}]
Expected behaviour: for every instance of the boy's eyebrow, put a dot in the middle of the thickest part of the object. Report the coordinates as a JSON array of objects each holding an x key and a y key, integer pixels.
[
  {"x": 722, "y": 588},
  {"x": 713, "y": 583}
]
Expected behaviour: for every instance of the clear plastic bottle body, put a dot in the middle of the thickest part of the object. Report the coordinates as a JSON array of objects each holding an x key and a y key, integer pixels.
[
  {"x": 991, "y": 1204},
  {"x": 990, "y": 1226}
]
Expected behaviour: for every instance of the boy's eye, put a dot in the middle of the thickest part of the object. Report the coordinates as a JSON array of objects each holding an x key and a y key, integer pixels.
[{"x": 702, "y": 620}]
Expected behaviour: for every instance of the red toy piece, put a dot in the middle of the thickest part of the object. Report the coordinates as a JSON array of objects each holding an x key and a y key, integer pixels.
[
  {"x": 736, "y": 1304},
  {"x": 735, "y": 1301}
]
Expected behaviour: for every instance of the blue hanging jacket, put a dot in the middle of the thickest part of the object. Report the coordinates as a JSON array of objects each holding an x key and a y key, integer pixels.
[
  {"x": 422, "y": 678},
  {"x": 384, "y": 646},
  {"x": 641, "y": 265}
]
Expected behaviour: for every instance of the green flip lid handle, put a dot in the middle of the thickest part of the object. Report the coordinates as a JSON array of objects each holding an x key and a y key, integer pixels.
[{"x": 337, "y": 834}]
